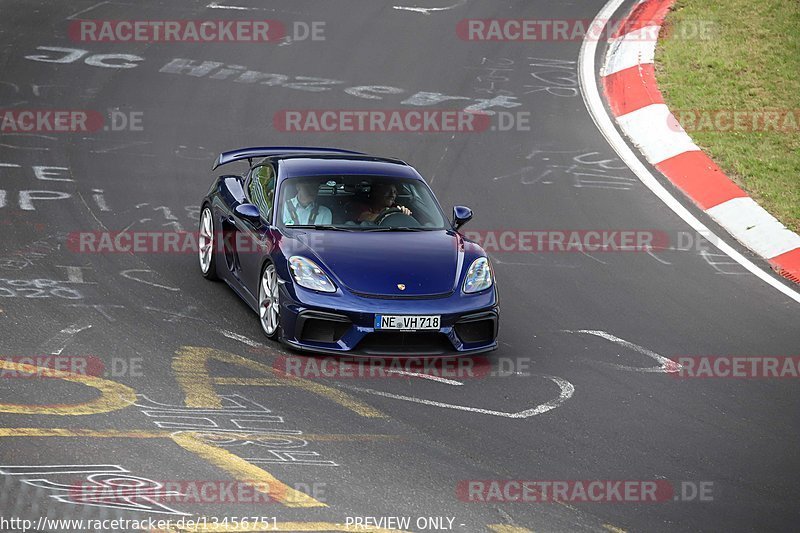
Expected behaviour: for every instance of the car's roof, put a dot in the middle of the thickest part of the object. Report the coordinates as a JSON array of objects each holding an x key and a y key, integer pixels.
[{"x": 321, "y": 165}]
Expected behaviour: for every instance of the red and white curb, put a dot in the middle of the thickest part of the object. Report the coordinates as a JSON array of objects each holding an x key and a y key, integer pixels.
[{"x": 629, "y": 84}]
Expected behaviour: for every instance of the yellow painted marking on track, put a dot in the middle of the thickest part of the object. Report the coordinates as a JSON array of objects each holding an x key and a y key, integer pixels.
[
  {"x": 262, "y": 480},
  {"x": 278, "y": 526},
  {"x": 614, "y": 529},
  {"x": 191, "y": 372},
  {"x": 189, "y": 365},
  {"x": 503, "y": 528},
  {"x": 192, "y": 442},
  {"x": 113, "y": 395}
]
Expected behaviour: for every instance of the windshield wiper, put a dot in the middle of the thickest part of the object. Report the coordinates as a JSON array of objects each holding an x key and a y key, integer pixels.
[
  {"x": 318, "y": 226},
  {"x": 399, "y": 228}
]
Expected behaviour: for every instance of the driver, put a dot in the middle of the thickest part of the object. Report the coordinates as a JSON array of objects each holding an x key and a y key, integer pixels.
[
  {"x": 382, "y": 197},
  {"x": 304, "y": 209}
]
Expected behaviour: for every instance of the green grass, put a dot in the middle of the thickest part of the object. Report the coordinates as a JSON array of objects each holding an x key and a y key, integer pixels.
[{"x": 750, "y": 62}]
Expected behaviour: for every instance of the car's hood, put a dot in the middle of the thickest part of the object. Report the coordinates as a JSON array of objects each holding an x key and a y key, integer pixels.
[{"x": 425, "y": 262}]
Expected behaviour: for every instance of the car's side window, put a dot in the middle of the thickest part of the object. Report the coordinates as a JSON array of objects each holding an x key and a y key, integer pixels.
[{"x": 262, "y": 190}]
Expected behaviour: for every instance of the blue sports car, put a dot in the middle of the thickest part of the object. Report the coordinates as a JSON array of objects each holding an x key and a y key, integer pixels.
[{"x": 346, "y": 253}]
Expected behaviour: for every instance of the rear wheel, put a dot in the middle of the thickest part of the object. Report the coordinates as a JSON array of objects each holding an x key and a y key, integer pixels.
[
  {"x": 268, "y": 302},
  {"x": 208, "y": 265}
]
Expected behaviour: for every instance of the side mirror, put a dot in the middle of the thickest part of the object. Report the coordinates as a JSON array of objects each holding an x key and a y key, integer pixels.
[
  {"x": 248, "y": 212},
  {"x": 461, "y": 215}
]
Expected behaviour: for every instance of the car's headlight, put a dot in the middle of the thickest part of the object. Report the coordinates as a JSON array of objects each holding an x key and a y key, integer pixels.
[
  {"x": 479, "y": 276},
  {"x": 307, "y": 274}
]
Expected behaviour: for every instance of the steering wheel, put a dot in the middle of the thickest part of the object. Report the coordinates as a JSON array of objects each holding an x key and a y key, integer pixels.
[{"x": 386, "y": 213}]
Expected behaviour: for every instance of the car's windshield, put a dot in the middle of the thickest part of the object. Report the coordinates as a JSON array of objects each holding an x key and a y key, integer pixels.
[{"x": 359, "y": 203}]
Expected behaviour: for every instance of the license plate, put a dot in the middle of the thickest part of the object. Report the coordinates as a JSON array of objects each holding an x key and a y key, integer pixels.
[{"x": 407, "y": 322}]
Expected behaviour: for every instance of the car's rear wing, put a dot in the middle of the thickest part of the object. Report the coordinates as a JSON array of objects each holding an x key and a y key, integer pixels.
[{"x": 266, "y": 151}]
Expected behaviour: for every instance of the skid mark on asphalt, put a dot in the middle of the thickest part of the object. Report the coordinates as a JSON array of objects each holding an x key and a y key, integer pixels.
[{"x": 666, "y": 365}]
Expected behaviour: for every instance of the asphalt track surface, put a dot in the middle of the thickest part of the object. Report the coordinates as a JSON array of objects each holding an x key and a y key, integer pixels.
[{"x": 393, "y": 457}]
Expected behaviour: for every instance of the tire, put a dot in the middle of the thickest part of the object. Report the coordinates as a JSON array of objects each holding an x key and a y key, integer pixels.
[
  {"x": 269, "y": 309},
  {"x": 206, "y": 245}
]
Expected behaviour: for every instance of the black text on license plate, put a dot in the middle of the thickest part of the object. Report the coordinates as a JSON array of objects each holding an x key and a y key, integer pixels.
[{"x": 407, "y": 322}]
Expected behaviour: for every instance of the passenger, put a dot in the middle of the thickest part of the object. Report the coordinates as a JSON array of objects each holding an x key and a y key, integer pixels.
[{"x": 304, "y": 209}]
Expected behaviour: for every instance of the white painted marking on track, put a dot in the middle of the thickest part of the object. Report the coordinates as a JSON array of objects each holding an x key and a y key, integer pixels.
[
  {"x": 241, "y": 338},
  {"x": 567, "y": 390},
  {"x": 56, "y": 345},
  {"x": 666, "y": 365},
  {"x": 129, "y": 275},
  {"x": 82, "y": 11},
  {"x": 429, "y": 10},
  {"x": 214, "y": 5},
  {"x": 29, "y": 470},
  {"x": 719, "y": 265},
  {"x": 594, "y": 104},
  {"x": 425, "y": 376},
  {"x": 27, "y": 135},
  {"x": 654, "y": 256},
  {"x": 173, "y": 315},
  {"x": 140, "y": 221}
]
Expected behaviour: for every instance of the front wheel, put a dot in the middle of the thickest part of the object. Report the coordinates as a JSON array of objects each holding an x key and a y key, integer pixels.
[
  {"x": 205, "y": 241},
  {"x": 268, "y": 302}
]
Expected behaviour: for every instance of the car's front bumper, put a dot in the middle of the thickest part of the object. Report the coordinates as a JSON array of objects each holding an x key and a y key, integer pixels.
[{"x": 343, "y": 323}]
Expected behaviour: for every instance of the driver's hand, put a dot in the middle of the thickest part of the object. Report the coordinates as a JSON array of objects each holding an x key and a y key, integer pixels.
[{"x": 404, "y": 209}]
